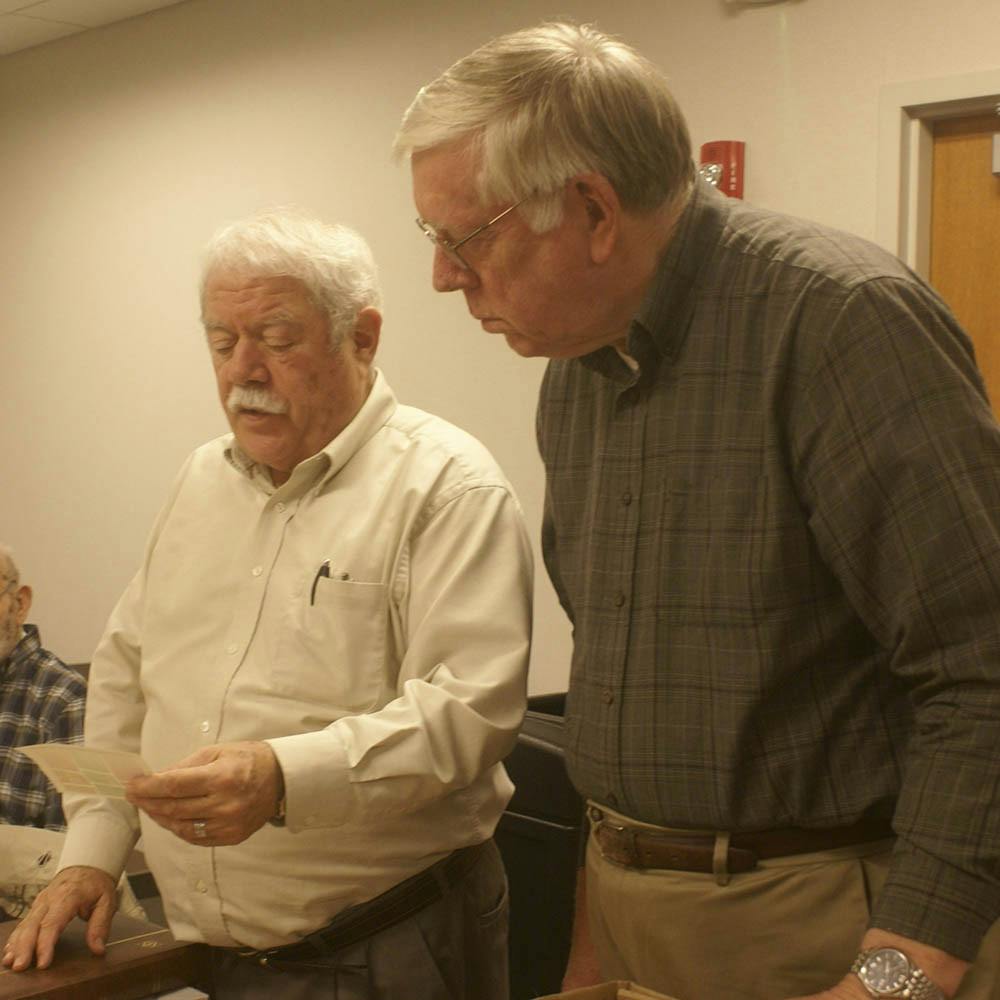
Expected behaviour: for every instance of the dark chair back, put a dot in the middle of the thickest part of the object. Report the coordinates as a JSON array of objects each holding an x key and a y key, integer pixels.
[{"x": 540, "y": 837}]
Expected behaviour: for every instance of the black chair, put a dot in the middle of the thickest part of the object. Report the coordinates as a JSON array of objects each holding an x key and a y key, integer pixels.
[{"x": 540, "y": 837}]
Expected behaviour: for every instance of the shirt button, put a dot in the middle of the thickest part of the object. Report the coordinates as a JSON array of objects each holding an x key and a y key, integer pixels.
[
  {"x": 232, "y": 648},
  {"x": 279, "y": 507},
  {"x": 626, "y": 498},
  {"x": 619, "y": 600},
  {"x": 607, "y": 696},
  {"x": 257, "y": 570},
  {"x": 200, "y": 886},
  {"x": 205, "y": 726}
]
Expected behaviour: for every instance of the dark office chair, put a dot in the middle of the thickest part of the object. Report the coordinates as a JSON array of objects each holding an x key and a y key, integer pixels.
[{"x": 540, "y": 838}]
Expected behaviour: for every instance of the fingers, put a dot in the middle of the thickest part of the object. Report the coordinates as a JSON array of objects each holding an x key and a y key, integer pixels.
[
  {"x": 212, "y": 770},
  {"x": 200, "y": 757},
  {"x": 211, "y": 824},
  {"x": 217, "y": 796},
  {"x": 167, "y": 811},
  {"x": 212, "y": 832},
  {"x": 87, "y": 892},
  {"x": 99, "y": 925},
  {"x": 179, "y": 782},
  {"x": 19, "y": 950}
]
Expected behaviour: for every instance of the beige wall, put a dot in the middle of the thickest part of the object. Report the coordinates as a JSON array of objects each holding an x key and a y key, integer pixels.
[{"x": 121, "y": 149}]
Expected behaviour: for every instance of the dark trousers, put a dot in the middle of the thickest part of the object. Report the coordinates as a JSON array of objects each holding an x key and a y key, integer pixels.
[{"x": 453, "y": 949}]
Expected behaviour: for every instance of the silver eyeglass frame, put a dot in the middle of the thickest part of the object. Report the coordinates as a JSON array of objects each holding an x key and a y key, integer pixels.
[{"x": 450, "y": 247}]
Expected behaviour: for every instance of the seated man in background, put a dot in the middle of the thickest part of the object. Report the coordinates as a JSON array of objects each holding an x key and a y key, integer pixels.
[
  {"x": 323, "y": 657},
  {"x": 41, "y": 701}
]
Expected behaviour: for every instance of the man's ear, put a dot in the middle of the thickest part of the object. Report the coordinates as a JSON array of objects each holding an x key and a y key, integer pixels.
[
  {"x": 599, "y": 203},
  {"x": 22, "y": 602},
  {"x": 366, "y": 332}
]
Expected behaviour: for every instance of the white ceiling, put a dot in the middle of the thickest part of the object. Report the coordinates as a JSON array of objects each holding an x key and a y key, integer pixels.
[{"x": 24, "y": 23}]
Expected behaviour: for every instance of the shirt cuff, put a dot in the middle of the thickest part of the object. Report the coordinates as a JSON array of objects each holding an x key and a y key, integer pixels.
[
  {"x": 316, "y": 775},
  {"x": 97, "y": 837},
  {"x": 934, "y": 902}
]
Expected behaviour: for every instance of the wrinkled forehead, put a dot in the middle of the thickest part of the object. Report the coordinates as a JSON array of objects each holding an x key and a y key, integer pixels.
[
  {"x": 247, "y": 290},
  {"x": 446, "y": 183}
]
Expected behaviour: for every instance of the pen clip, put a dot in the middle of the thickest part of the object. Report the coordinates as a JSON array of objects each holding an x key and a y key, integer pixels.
[{"x": 324, "y": 570}]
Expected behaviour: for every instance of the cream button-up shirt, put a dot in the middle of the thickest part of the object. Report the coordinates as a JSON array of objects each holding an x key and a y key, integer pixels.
[{"x": 370, "y": 619}]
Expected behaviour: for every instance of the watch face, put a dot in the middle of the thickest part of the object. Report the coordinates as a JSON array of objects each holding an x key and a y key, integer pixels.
[{"x": 885, "y": 970}]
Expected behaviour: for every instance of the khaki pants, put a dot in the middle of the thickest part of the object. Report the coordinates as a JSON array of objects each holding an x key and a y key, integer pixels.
[{"x": 789, "y": 928}]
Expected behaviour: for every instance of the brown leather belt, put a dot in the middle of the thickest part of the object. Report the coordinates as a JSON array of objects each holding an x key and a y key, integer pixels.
[{"x": 637, "y": 847}]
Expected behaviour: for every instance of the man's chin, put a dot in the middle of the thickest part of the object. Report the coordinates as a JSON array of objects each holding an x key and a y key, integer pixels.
[
  {"x": 256, "y": 439},
  {"x": 521, "y": 345}
]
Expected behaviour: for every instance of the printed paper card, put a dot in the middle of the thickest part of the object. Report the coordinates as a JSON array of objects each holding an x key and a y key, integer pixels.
[{"x": 80, "y": 769}]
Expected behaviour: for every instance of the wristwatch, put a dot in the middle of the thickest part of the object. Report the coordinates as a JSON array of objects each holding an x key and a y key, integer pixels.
[
  {"x": 887, "y": 972},
  {"x": 278, "y": 819}
]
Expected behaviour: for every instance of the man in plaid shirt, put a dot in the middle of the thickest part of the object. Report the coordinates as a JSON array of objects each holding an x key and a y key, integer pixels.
[
  {"x": 772, "y": 515},
  {"x": 41, "y": 701}
]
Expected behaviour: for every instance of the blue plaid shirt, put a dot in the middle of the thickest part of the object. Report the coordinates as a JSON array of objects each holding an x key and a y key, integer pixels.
[{"x": 41, "y": 701}]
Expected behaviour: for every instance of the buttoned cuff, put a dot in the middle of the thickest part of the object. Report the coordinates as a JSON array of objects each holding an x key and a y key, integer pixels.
[
  {"x": 317, "y": 783},
  {"x": 99, "y": 836}
]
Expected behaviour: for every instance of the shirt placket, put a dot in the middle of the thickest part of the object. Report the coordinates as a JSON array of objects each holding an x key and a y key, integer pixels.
[
  {"x": 253, "y": 569},
  {"x": 622, "y": 496}
]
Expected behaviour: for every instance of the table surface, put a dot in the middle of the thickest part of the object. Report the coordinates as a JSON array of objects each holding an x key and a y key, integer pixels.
[{"x": 141, "y": 959}]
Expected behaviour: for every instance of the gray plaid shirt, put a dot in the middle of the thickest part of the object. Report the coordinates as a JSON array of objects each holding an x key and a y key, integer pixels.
[
  {"x": 779, "y": 546},
  {"x": 41, "y": 701}
]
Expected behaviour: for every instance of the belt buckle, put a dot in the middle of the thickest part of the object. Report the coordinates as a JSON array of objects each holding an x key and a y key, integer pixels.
[
  {"x": 262, "y": 958},
  {"x": 625, "y": 851}
]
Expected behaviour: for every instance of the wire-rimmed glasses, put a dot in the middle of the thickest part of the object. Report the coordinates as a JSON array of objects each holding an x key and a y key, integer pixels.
[{"x": 450, "y": 247}]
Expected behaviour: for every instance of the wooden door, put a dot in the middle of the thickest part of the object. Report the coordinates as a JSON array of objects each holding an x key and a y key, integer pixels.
[{"x": 965, "y": 235}]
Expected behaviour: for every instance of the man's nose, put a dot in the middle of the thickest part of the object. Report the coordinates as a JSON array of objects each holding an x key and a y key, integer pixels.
[
  {"x": 448, "y": 276},
  {"x": 247, "y": 363}
]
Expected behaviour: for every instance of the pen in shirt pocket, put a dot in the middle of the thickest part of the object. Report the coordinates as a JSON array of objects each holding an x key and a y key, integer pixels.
[{"x": 324, "y": 570}]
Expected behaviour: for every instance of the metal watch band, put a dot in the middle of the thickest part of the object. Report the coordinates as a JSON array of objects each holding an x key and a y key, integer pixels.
[
  {"x": 921, "y": 988},
  {"x": 916, "y": 987}
]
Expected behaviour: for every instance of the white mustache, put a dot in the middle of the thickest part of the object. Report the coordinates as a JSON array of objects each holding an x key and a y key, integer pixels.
[{"x": 243, "y": 397}]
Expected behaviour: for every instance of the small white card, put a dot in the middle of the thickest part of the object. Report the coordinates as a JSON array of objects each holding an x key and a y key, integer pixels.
[{"x": 80, "y": 769}]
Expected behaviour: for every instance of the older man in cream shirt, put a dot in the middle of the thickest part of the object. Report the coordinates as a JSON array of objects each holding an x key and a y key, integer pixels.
[{"x": 322, "y": 659}]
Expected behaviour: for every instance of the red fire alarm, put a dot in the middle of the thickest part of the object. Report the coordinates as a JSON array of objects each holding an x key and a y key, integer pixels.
[{"x": 721, "y": 164}]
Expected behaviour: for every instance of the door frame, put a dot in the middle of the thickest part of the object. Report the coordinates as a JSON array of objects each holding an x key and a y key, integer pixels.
[{"x": 907, "y": 113}]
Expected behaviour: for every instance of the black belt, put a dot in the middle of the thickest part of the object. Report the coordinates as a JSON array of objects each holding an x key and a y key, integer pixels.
[
  {"x": 638, "y": 847},
  {"x": 357, "y": 923}
]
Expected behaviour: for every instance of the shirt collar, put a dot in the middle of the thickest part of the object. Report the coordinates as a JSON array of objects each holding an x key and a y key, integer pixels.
[
  {"x": 28, "y": 644},
  {"x": 664, "y": 318},
  {"x": 313, "y": 472},
  {"x": 666, "y": 313}
]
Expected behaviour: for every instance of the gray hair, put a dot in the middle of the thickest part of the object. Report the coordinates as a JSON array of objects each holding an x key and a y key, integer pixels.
[
  {"x": 547, "y": 103},
  {"x": 8, "y": 568},
  {"x": 333, "y": 262}
]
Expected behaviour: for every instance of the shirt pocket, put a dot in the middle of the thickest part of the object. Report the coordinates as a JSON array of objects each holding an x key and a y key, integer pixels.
[{"x": 332, "y": 652}]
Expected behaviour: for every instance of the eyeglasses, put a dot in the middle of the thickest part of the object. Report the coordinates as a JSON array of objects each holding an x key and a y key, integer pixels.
[
  {"x": 11, "y": 585},
  {"x": 450, "y": 247}
]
